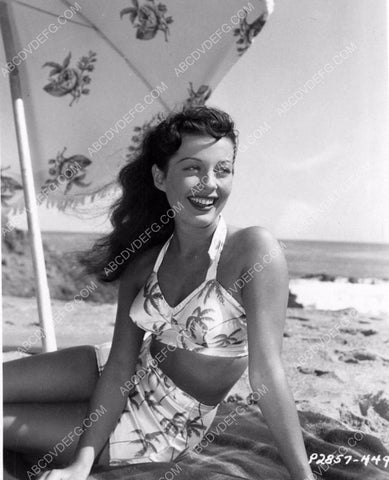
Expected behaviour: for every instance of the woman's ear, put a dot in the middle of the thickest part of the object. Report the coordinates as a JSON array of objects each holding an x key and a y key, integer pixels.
[{"x": 159, "y": 178}]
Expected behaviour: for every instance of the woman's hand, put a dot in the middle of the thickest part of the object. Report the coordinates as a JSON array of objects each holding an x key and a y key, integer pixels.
[{"x": 72, "y": 472}]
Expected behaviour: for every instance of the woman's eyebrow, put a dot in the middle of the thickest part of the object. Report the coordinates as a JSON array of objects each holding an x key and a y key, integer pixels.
[
  {"x": 189, "y": 158},
  {"x": 225, "y": 161},
  {"x": 200, "y": 160}
]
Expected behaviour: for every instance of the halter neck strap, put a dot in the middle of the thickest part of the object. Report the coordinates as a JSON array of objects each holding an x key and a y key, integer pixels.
[{"x": 214, "y": 251}]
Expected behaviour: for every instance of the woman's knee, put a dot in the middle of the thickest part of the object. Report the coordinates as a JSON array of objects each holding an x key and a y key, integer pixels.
[
  {"x": 65, "y": 375},
  {"x": 83, "y": 355}
]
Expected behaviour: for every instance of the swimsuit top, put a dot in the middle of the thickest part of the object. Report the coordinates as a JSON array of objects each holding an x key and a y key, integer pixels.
[{"x": 208, "y": 321}]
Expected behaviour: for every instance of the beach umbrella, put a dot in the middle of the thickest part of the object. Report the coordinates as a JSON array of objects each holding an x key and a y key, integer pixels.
[{"x": 87, "y": 80}]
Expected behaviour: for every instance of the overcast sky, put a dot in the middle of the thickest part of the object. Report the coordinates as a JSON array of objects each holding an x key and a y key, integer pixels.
[{"x": 310, "y": 101}]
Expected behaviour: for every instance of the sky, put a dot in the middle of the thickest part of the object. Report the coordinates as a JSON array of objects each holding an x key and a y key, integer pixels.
[{"x": 310, "y": 100}]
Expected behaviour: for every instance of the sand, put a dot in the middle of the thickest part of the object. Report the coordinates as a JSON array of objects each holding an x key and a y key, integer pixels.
[{"x": 337, "y": 362}]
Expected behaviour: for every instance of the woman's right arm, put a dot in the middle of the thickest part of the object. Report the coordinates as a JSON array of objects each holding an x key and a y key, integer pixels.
[{"x": 107, "y": 396}]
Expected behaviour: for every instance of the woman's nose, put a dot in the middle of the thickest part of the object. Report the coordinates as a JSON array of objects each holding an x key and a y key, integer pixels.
[{"x": 210, "y": 181}]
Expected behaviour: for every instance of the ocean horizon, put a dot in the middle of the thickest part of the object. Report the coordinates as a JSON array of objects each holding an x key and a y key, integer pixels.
[
  {"x": 304, "y": 257},
  {"x": 339, "y": 259}
]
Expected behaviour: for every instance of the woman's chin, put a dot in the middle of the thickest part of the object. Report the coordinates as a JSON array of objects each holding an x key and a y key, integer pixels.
[{"x": 203, "y": 216}]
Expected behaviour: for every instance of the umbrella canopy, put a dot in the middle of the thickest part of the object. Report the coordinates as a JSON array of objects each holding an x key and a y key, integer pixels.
[{"x": 95, "y": 74}]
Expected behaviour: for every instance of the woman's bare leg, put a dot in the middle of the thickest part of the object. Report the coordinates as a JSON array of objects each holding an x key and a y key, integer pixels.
[
  {"x": 46, "y": 431},
  {"x": 68, "y": 375}
]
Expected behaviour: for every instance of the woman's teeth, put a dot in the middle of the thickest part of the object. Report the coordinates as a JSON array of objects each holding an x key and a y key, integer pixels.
[{"x": 202, "y": 201}]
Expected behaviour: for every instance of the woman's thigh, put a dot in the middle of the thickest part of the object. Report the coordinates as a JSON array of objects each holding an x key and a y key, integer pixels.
[
  {"x": 67, "y": 375},
  {"x": 47, "y": 434}
]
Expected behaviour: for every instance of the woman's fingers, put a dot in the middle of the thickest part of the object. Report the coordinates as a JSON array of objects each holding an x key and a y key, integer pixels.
[
  {"x": 50, "y": 475},
  {"x": 63, "y": 474}
]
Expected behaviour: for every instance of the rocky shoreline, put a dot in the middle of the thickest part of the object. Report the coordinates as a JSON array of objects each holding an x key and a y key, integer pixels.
[{"x": 325, "y": 277}]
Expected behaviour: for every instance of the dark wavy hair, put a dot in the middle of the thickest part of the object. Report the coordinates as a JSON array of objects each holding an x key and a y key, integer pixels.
[{"x": 141, "y": 204}]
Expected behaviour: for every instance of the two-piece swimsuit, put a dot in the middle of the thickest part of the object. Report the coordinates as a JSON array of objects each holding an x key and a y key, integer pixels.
[{"x": 161, "y": 421}]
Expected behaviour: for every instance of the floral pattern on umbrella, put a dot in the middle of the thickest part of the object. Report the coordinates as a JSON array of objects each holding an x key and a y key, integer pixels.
[
  {"x": 139, "y": 133},
  {"x": 95, "y": 55},
  {"x": 148, "y": 18},
  {"x": 60, "y": 165},
  {"x": 65, "y": 80},
  {"x": 9, "y": 187},
  {"x": 247, "y": 31},
  {"x": 198, "y": 97},
  {"x": 195, "y": 98}
]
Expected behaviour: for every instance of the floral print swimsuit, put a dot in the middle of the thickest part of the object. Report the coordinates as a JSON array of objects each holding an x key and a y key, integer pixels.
[{"x": 161, "y": 421}]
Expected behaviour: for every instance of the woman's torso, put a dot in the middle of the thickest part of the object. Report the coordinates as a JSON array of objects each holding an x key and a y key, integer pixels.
[{"x": 208, "y": 378}]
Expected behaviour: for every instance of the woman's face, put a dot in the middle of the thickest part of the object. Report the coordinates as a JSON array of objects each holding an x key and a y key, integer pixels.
[{"x": 199, "y": 176}]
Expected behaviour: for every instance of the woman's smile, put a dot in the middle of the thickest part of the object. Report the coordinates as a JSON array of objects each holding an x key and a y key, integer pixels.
[{"x": 203, "y": 203}]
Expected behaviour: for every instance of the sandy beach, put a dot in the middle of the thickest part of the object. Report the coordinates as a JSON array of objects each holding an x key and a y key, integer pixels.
[{"x": 337, "y": 362}]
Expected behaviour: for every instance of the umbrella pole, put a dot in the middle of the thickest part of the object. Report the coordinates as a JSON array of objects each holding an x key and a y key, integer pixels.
[{"x": 43, "y": 294}]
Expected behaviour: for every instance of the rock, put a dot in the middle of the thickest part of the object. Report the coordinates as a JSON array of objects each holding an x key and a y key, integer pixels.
[
  {"x": 356, "y": 355},
  {"x": 369, "y": 332},
  {"x": 292, "y": 302},
  {"x": 313, "y": 371},
  {"x": 322, "y": 277},
  {"x": 378, "y": 401},
  {"x": 351, "y": 331}
]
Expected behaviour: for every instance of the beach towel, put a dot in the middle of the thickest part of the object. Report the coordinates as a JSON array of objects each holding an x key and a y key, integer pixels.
[{"x": 239, "y": 445}]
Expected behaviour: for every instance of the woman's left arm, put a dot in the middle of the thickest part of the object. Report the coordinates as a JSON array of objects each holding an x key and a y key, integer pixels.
[{"x": 265, "y": 299}]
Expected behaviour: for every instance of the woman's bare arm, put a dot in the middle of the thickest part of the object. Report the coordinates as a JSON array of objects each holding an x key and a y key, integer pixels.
[
  {"x": 120, "y": 366},
  {"x": 265, "y": 299},
  {"x": 107, "y": 396}
]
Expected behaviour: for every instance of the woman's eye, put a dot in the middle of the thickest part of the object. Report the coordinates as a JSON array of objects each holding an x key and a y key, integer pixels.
[
  {"x": 192, "y": 168},
  {"x": 223, "y": 170}
]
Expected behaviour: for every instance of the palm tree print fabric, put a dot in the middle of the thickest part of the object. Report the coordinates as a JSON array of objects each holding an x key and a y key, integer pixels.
[
  {"x": 209, "y": 320},
  {"x": 160, "y": 421}
]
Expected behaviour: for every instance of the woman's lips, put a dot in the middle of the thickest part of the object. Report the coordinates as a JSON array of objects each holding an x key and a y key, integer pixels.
[{"x": 202, "y": 203}]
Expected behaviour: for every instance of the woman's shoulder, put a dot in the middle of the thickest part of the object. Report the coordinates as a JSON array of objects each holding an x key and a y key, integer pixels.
[
  {"x": 250, "y": 243},
  {"x": 254, "y": 236}
]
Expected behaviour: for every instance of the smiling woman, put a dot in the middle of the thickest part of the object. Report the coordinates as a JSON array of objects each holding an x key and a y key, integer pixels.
[
  {"x": 174, "y": 147},
  {"x": 182, "y": 338},
  {"x": 195, "y": 165}
]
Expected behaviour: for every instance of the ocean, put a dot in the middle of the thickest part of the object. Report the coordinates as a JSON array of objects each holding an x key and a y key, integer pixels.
[
  {"x": 344, "y": 259},
  {"x": 352, "y": 261},
  {"x": 310, "y": 258},
  {"x": 304, "y": 257}
]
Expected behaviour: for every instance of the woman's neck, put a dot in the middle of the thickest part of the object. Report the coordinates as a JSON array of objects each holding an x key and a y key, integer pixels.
[{"x": 189, "y": 240}]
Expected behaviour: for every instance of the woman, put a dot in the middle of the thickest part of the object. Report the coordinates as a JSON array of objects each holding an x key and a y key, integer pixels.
[{"x": 159, "y": 391}]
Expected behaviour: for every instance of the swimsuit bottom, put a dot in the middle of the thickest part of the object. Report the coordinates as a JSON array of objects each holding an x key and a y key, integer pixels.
[{"x": 160, "y": 421}]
